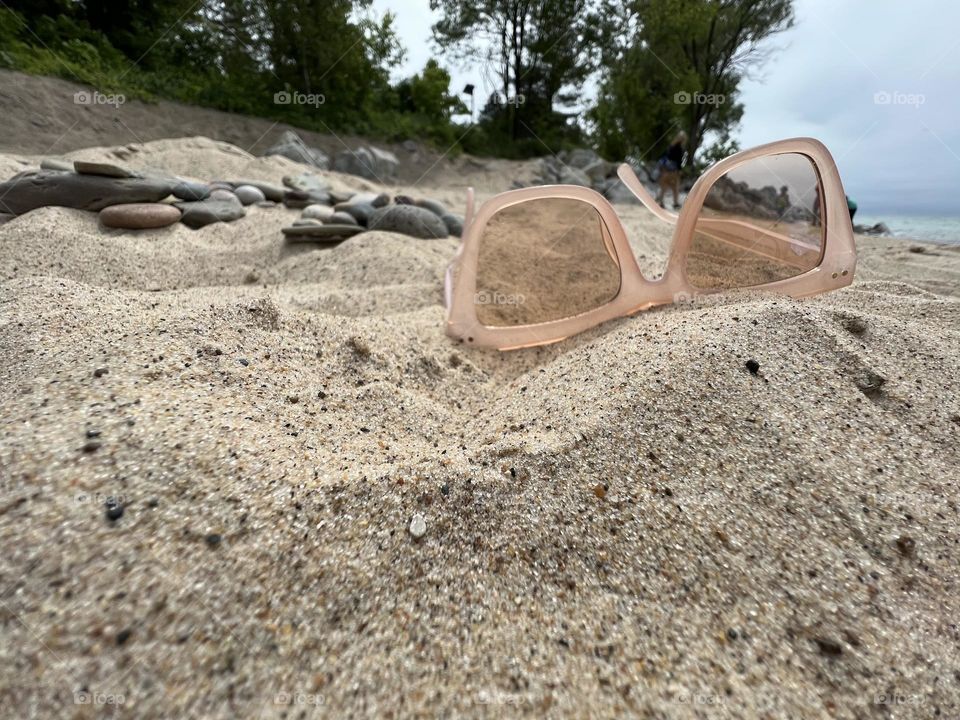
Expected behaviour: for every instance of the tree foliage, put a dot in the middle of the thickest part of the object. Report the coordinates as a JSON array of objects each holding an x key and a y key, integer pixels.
[{"x": 672, "y": 65}]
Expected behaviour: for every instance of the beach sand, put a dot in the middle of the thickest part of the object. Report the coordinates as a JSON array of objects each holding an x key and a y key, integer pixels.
[{"x": 626, "y": 523}]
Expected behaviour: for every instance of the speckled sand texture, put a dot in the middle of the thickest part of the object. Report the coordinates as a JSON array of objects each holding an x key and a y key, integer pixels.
[{"x": 629, "y": 523}]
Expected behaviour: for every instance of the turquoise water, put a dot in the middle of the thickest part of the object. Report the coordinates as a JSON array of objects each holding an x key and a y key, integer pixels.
[{"x": 918, "y": 227}]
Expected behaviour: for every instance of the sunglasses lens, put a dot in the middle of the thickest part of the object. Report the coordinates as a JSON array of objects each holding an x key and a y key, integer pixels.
[
  {"x": 760, "y": 223},
  {"x": 543, "y": 260}
]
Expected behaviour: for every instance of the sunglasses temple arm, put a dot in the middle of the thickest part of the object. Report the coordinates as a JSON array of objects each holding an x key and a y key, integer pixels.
[
  {"x": 448, "y": 275},
  {"x": 630, "y": 179},
  {"x": 468, "y": 216}
]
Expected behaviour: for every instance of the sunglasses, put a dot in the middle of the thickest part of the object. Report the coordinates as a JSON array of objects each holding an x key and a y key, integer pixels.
[{"x": 540, "y": 264}]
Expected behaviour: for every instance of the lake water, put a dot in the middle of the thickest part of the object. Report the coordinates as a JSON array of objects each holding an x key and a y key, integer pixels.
[{"x": 918, "y": 227}]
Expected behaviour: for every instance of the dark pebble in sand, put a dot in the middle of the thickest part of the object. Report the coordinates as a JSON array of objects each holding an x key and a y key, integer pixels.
[
  {"x": 243, "y": 361},
  {"x": 123, "y": 636},
  {"x": 114, "y": 511},
  {"x": 829, "y": 647},
  {"x": 93, "y": 433},
  {"x": 906, "y": 545},
  {"x": 100, "y": 372},
  {"x": 732, "y": 634},
  {"x": 213, "y": 540},
  {"x": 753, "y": 366},
  {"x": 91, "y": 446}
]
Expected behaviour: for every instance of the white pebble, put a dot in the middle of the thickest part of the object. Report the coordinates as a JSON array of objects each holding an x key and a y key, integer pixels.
[{"x": 418, "y": 526}]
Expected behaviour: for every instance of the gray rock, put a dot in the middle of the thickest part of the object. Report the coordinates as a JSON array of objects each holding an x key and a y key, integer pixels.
[
  {"x": 317, "y": 212},
  {"x": 56, "y": 164},
  {"x": 572, "y": 176},
  {"x": 293, "y": 147},
  {"x": 320, "y": 233},
  {"x": 437, "y": 208},
  {"x": 299, "y": 199},
  {"x": 5, "y": 218},
  {"x": 223, "y": 194},
  {"x": 248, "y": 194},
  {"x": 341, "y": 217},
  {"x": 368, "y": 162},
  {"x": 599, "y": 170},
  {"x": 307, "y": 182},
  {"x": 84, "y": 167},
  {"x": 188, "y": 190},
  {"x": 139, "y": 216},
  {"x": 269, "y": 190},
  {"x": 304, "y": 222},
  {"x": 360, "y": 212},
  {"x": 339, "y": 196},
  {"x": 454, "y": 224},
  {"x": 212, "y": 210},
  {"x": 409, "y": 220},
  {"x": 580, "y": 158},
  {"x": 31, "y": 190},
  {"x": 616, "y": 192}
]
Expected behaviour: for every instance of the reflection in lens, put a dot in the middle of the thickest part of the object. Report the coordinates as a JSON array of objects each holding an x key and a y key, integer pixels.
[
  {"x": 544, "y": 260},
  {"x": 760, "y": 223}
]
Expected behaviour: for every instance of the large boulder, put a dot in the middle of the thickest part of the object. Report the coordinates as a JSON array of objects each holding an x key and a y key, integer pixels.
[
  {"x": 293, "y": 147},
  {"x": 33, "y": 189},
  {"x": 368, "y": 162}
]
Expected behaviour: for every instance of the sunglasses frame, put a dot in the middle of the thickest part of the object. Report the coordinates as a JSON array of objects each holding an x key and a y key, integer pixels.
[{"x": 637, "y": 293}]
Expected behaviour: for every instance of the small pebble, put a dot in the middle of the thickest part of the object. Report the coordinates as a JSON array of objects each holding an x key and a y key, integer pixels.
[
  {"x": 91, "y": 446},
  {"x": 114, "y": 511},
  {"x": 753, "y": 366},
  {"x": 213, "y": 540},
  {"x": 100, "y": 372},
  {"x": 123, "y": 636},
  {"x": 906, "y": 545},
  {"x": 418, "y": 526}
]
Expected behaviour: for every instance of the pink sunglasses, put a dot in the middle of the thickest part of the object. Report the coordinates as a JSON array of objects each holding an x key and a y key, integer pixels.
[{"x": 540, "y": 264}]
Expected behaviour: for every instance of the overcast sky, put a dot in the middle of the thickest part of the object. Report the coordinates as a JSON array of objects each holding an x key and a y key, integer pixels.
[{"x": 877, "y": 81}]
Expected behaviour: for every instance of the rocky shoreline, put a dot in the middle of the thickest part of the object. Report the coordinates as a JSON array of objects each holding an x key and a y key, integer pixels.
[{"x": 130, "y": 200}]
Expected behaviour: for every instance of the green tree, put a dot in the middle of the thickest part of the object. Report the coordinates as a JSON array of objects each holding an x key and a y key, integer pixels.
[
  {"x": 535, "y": 51},
  {"x": 675, "y": 65}
]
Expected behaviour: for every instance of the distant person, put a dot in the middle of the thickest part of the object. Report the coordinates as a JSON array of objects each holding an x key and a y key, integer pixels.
[
  {"x": 851, "y": 207},
  {"x": 669, "y": 164},
  {"x": 783, "y": 199}
]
